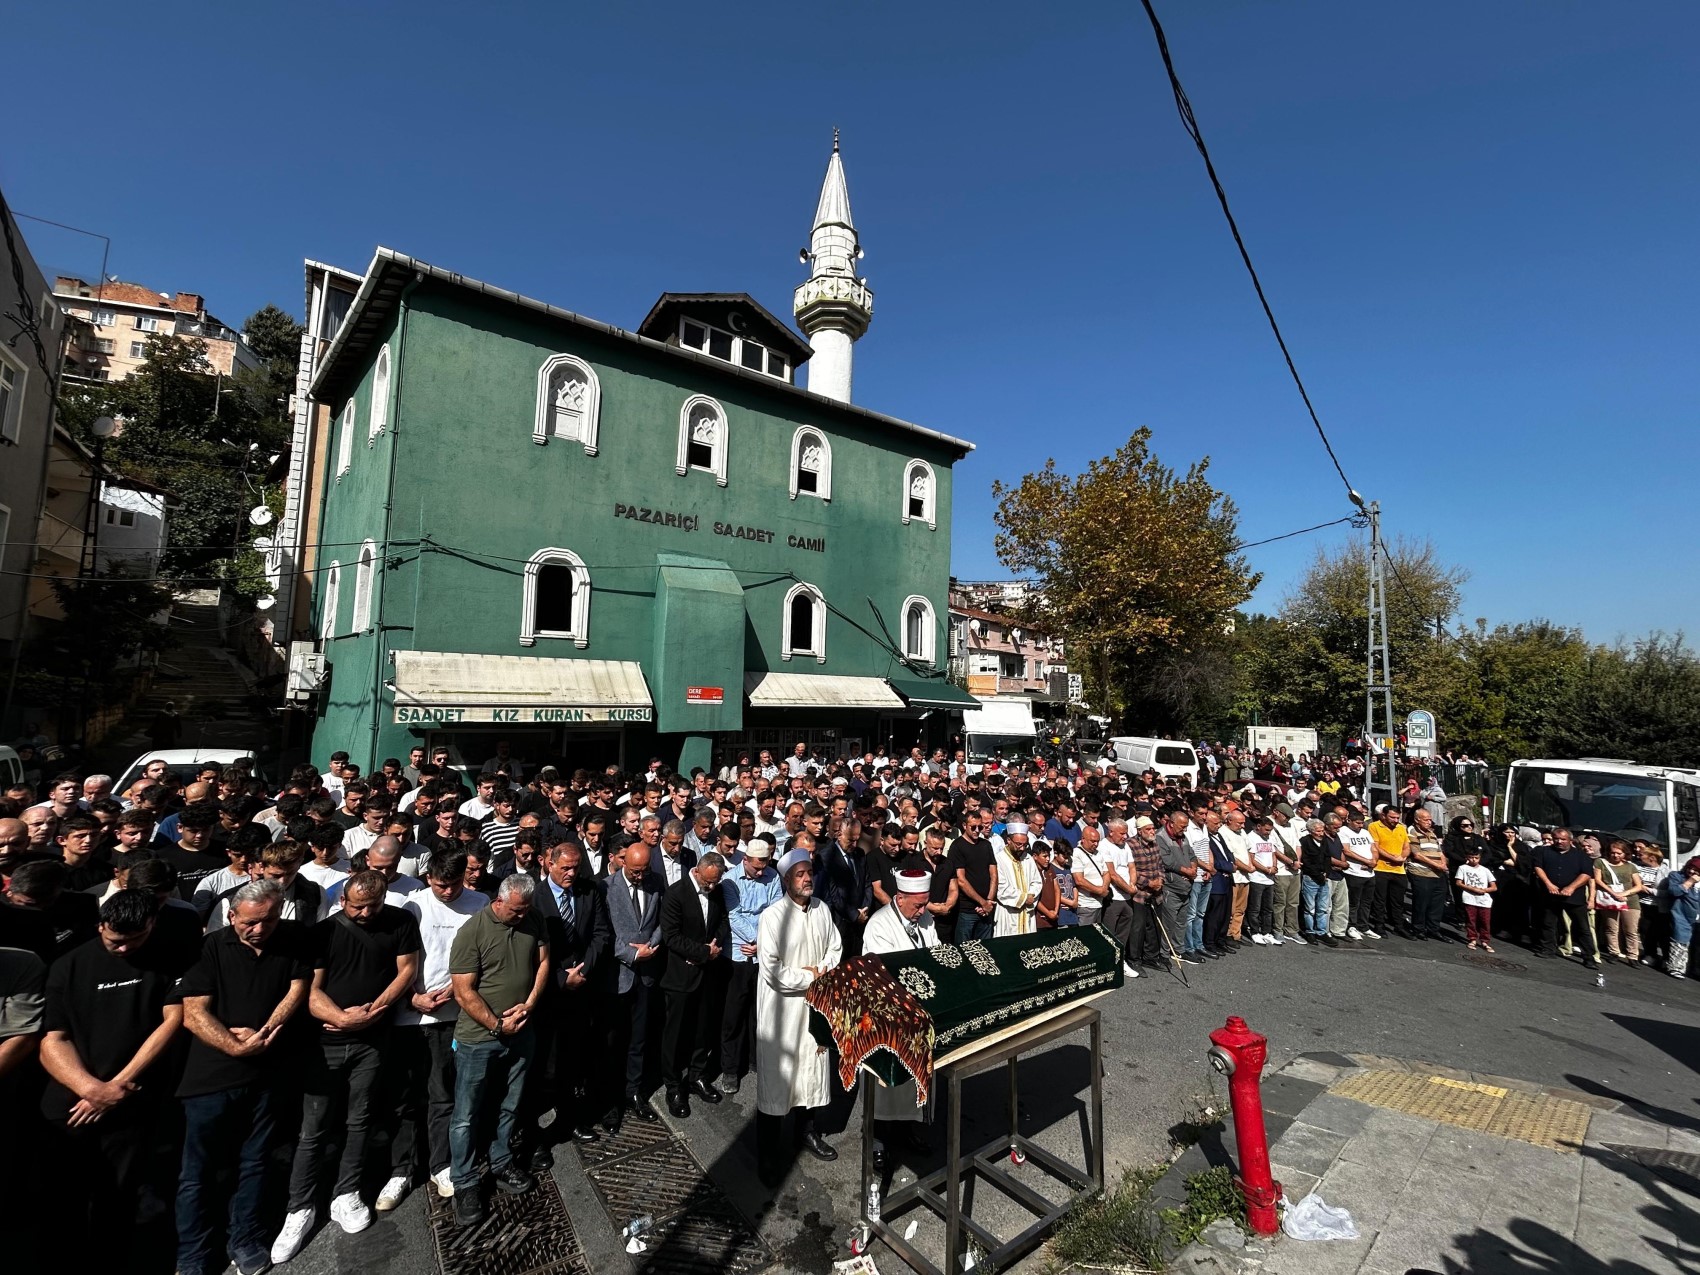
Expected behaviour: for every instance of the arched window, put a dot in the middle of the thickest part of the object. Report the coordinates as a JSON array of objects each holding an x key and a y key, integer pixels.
[
  {"x": 811, "y": 464},
  {"x": 702, "y": 437},
  {"x": 330, "y": 600},
  {"x": 380, "y": 414},
  {"x": 345, "y": 441},
  {"x": 557, "y": 598},
  {"x": 919, "y": 641},
  {"x": 362, "y": 617},
  {"x": 569, "y": 402},
  {"x": 804, "y": 620},
  {"x": 920, "y": 493}
]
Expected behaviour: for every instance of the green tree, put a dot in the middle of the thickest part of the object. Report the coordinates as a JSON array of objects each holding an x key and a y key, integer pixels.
[
  {"x": 1135, "y": 563},
  {"x": 1639, "y": 702}
]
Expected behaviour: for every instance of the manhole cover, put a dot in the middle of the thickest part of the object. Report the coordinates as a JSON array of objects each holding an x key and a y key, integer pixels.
[
  {"x": 645, "y": 1169},
  {"x": 1494, "y": 962},
  {"x": 526, "y": 1234}
]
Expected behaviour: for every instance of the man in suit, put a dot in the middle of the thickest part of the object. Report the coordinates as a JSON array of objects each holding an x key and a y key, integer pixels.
[
  {"x": 695, "y": 933},
  {"x": 575, "y": 913},
  {"x": 634, "y": 909}
]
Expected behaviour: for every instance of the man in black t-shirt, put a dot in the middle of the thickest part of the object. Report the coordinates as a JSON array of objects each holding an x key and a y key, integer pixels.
[
  {"x": 365, "y": 956},
  {"x": 194, "y": 856},
  {"x": 976, "y": 869},
  {"x": 900, "y": 851},
  {"x": 238, "y": 1002},
  {"x": 107, "y": 1052},
  {"x": 1564, "y": 877}
]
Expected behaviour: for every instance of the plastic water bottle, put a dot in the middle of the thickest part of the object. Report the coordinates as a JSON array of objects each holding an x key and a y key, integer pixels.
[
  {"x": 1600, "y": 979},
  {"x": 873, "y": 1201}
]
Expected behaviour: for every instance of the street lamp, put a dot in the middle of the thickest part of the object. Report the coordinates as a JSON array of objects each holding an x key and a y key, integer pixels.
[{"x": 103, "y": 428}]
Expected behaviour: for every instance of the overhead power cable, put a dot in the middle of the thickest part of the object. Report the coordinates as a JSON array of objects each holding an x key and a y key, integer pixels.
[
  {"x": 1184, "y": 105},
  {"x": 1302, "y": 531}
]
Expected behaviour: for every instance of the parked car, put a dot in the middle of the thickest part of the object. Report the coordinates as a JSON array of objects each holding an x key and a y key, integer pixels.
[{"x": 182, "y": 762}]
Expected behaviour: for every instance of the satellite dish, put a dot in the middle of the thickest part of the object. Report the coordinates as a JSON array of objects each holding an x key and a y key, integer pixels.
[
  {"x": 266, "y": 603},
  {"x": 263, "y": 544},
  {"x": 259, "y": 516}
]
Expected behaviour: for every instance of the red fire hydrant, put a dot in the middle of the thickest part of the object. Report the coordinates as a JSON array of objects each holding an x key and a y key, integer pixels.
[{"x": 1239, "y": 1054}]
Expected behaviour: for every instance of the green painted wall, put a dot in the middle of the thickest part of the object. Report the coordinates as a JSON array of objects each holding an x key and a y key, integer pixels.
[{"x": 470, "y": 479}]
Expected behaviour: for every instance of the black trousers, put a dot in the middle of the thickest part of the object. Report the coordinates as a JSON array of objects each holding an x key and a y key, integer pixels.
[
  {"x": 1260, "y": 909},
  {"x": 1216, "y": 920},
  {"x": 422, "y": 1084},
  {"x": 690, "y": 1038},
  {"x": 1387, "y": 904},
  {"x": 113, "y": 1183},
  {"x": 634, "y": 1029},
  {"x": 1359, "y": 892},
  {"x": 1428, "y": 904},
  {"x": 1576, "y": 906},
  {"x": 561, "y": 1074},
  {"x": 738, "y": 1022}
]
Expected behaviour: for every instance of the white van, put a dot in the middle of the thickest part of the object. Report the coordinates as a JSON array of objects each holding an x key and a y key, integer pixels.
[
  {"x": 1170, "y": 758},
  {"x": 11, "y": 767}
]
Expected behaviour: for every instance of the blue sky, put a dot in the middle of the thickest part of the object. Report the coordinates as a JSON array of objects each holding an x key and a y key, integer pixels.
[{"x": 1475, "y": 222}]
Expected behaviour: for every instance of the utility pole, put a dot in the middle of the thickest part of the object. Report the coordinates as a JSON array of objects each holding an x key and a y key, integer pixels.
[{"x": 1378, "y": 684}]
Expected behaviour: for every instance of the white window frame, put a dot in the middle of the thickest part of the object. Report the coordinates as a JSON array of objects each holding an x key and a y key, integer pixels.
[
  {"x": 104, "y": 319},
  {"x": 49, "y": 311},
  {"x": 365, "y": 574},
  {"x": 718, "y": 469},
  {"x": 787, "y": 648},
  {"x": 147, "y": 323},
  {"x": 579, "y": 635},
  {"x": 379, "y": 416},
  {"x": 769, "y": 354},
  {"x": 823, "y": 479},
  {"x": 12, "y": 415},
  {"x": 138, "y": 349},
  {"x": 928, "y": 653},
  {"x": 542, "y": 423},
  {"x": 330, "y": 600},
  {"x": 345, "y": 442},
  {"x": 929, "y": 515}
]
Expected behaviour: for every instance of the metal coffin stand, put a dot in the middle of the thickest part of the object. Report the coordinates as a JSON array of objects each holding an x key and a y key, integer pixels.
[{"x": 942, "y": 1190}]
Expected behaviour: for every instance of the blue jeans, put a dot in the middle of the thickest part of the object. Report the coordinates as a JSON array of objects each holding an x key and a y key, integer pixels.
[
  {"x": 971, "y": 925},
  {"x": 1313, "y": 914},
  {"x": 1197, "y": 904},
  {"x": 217, "y": 1126},
  {"x": 488, "y": 1074}
]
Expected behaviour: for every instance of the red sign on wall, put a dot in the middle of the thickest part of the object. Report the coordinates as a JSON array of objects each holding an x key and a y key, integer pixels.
[{"x": 705, "y": 695}]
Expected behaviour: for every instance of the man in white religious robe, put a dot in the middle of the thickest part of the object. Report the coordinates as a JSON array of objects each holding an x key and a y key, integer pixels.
[
  {"x": 1019, "y": 882},
  {"x": 903, "y": 925},
  {"x": 796, "y": 943}
]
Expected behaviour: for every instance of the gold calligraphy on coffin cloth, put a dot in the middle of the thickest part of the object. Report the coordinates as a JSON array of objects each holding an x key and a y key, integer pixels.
[{"x": 892, "y": 1014}]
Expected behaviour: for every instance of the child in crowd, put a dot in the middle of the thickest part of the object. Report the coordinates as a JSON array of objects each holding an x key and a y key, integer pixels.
[{"x": 1478, "y": 887}]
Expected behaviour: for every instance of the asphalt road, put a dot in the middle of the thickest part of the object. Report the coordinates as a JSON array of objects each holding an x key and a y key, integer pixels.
[{"x": 1636, "y": 1040}]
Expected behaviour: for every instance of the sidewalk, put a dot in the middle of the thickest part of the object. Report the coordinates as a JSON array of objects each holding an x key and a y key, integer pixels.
[{"x": 1447, "y": 1171}]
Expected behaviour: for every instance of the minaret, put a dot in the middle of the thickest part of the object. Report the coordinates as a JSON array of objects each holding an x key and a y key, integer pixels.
[{"x": 834, "y": 306}]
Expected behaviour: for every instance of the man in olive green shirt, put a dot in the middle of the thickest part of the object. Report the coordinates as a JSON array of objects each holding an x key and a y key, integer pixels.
[{"x": 499, "y": 967}]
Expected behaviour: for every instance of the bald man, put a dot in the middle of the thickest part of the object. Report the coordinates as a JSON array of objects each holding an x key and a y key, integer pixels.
[
  {"x": 634, "y": 907},
  {"x": 14, "y": 843},
  {"x": 193, "y": 795}
]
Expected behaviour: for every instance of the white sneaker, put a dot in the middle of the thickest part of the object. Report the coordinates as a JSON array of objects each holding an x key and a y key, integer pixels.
[
  {"x": 1129, "y": 970},
  {"x": 1355, "y": 934},
  {"x": 350, "y": 1214},
  {"x": 444, "y": 1183},
  {"x": 1294, "y": 938},
  {"x": 1371, "y": 934},
  {"x": 294, "y": 1233},
  {"x": 395, "y": 1190}
]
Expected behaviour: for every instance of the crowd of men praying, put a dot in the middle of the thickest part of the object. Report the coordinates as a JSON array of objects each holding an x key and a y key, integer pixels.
[{"x": 230, "y": 1008}]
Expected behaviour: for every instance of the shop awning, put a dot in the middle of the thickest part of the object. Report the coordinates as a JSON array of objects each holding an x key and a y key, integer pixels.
[
  {"x": 818, "y": 690},
  {"x": 932, "y": 693},
  {"x": 449, "y": 687}
]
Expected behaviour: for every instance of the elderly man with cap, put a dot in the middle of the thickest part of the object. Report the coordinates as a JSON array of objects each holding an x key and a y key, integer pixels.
[
  {"x": 1018, "y": 883},
  {"x": 796, "y": 943},
  {"x": 905, "y": 925}
]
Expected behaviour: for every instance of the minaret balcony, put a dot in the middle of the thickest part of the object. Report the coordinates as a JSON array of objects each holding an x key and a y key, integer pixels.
[{"x": 840, "y": 300}]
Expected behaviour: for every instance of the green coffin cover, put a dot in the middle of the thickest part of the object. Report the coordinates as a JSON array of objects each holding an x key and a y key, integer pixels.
[{"x": 970, "y": 990}]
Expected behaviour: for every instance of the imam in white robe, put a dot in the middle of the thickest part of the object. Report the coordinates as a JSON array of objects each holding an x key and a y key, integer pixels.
[
  {"x": 887, "y": 931},
  {"x": 1018, "y": 895},
  {"x": 791, "y": 1069}
]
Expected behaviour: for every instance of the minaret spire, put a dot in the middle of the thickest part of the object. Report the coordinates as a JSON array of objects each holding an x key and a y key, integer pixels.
[{"x": 834, "y": 306}]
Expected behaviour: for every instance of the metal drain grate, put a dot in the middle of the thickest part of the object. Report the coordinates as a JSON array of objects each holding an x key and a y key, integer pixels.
[
  {"x": 1676, "y": 1165},
  {"x": 645, "y": 1169},
  {"x": 528, "y": 1234},
  {"x": 1494, "y": 963}
]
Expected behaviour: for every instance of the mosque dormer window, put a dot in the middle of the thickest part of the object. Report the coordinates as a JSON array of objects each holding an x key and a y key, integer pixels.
[{"x": 733, "y": 348}]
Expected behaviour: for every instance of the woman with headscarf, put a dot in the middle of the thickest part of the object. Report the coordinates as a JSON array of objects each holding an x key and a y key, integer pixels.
[{"x": 1513, "y": 866}]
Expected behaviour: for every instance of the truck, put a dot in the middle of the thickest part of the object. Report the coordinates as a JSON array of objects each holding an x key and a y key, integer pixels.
[
  {"x": 998, "y": 729},
  {"x": 1272, "y": 739}
]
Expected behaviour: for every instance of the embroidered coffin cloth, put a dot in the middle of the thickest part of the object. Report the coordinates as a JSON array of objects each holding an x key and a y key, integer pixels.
[{"x": 891, "y": 1013}]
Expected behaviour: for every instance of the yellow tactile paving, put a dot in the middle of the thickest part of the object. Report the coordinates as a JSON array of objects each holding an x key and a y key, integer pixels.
[{"x": 1539, "y": 1119}]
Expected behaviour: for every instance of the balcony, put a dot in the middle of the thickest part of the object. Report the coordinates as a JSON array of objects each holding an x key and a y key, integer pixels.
[{"x": 207, "y": 331}]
